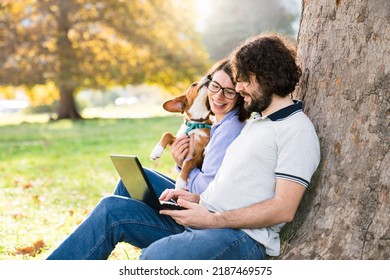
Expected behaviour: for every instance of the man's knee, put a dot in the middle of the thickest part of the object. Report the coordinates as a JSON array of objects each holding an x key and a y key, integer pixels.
[
  {"x": 159, "y": 250},
  {"x": 153, "y": 252}
]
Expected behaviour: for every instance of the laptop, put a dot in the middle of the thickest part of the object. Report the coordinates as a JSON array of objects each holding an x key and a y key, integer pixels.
[{"x": 137, "y": 183}]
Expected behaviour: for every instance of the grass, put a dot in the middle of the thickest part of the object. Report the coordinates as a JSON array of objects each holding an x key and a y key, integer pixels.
[{"x": 53, "y": 173}]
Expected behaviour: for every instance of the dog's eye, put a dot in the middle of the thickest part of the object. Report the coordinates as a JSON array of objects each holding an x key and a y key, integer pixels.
[{"x": 194, "y": 84}]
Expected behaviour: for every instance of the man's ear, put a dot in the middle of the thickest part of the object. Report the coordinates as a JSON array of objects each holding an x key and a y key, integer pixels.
[{"x": 175, "y": 105}]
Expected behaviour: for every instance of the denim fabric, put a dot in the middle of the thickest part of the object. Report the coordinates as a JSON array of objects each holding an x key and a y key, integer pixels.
[
  {"x": 119, "y": 218},
  {"x": 205, "y": 244},
  {"x": 115, "y": 219},
  {"x": 125, "y": 219}
]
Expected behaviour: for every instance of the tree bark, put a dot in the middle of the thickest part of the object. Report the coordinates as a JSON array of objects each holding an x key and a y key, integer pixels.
[
  {"x": 67, "y": 108},
  {"x": 344, "y": 49},
  {"x": 67, "y": 75}
]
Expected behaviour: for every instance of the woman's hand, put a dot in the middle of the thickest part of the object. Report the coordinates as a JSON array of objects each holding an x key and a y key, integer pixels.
[
  {"x": 183, "y": 148},
  {"x": 179, "y": 149}
]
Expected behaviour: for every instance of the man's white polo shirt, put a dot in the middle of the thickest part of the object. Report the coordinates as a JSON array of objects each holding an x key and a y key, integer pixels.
[{"x": 281, "y": 145}]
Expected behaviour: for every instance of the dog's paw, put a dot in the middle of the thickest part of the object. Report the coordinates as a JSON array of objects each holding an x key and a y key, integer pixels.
[
  {"x": 157, "y": 152},
  {"x": 180, "y": 184}
]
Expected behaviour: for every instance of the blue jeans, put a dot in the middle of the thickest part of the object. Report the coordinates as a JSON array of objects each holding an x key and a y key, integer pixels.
[{"x": 119, "y": 218}]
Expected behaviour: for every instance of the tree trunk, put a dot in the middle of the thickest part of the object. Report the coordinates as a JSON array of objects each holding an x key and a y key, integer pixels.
[
  {"x": 344, "y": 48},
  {"x": 67, "y": 75},
  {"x": 67, "y": 107}
]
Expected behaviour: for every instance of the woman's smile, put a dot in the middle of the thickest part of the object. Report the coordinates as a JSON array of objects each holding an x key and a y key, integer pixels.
[{"x": 220, "y": 105}]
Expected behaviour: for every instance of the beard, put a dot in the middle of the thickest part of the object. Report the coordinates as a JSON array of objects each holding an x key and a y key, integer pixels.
[{"x": 258, "y": 101}]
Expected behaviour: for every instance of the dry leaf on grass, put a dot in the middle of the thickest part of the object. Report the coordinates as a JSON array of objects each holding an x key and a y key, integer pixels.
[
  {"x": 27, "y": 185},
  {"x": 33, "y": 250}
]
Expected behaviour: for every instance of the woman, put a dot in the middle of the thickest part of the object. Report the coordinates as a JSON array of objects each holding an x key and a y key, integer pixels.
[
  {"x": 229, "y": 120},
  {"x": 118, "y": 218}
]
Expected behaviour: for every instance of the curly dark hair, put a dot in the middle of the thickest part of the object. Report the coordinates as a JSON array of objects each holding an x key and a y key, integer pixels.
[
  {"x": 225, "y": 65},
  {"x": 272, "y": 58}
]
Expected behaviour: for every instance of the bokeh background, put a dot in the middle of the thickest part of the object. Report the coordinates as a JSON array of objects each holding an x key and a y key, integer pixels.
[{"x": 100, "y": 58}]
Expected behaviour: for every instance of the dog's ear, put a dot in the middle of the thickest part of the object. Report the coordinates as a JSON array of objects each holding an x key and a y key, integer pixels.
[
  {"x": 175, "y": 105},
  {"x": 208, "y": 106}
]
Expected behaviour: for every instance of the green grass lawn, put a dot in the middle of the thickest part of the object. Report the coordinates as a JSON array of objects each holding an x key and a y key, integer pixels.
[{"x": 52, "y": 175}]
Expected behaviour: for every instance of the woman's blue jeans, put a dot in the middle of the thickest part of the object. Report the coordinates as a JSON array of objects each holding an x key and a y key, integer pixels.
[{"x": 119, "y": 218}]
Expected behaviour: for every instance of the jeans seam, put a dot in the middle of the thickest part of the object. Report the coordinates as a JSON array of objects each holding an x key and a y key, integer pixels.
[
  {"x": 237, "y": 241},
  {"x": 140, "y": 223},
  {"x": 257, "y": 246},
  {"x": 230, "y": 246}
]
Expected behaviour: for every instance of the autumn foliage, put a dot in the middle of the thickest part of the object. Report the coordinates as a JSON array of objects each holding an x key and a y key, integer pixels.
[{"x": 78, "y": 44}]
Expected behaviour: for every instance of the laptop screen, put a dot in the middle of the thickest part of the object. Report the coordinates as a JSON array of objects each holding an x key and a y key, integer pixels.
[
  {"x": 131, "y": 172},
  {"x": 137, "y": 183}
]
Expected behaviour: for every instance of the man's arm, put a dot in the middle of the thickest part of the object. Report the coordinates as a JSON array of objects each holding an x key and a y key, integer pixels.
[{"x": 280, "y": 209}]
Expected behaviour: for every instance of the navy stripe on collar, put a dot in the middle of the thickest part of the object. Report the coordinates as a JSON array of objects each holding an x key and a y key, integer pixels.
[{"x": 287, "y": 111}]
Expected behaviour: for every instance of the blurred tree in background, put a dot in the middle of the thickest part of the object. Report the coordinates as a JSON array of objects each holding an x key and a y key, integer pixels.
[
  {"x": 78, "y": 44},
  {"x": 230, "y": 21},
  {"x": 58, "y": 48}
]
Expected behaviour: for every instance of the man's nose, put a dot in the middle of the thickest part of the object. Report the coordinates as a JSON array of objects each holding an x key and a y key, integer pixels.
[{"x": 239, "y": 87}]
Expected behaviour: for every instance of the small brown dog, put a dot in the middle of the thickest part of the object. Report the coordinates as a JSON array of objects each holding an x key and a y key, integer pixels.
[{"x": 196, "y": 109}]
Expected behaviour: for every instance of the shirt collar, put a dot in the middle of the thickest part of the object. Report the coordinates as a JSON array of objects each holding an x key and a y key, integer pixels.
[{"x": 286, "y": 111}]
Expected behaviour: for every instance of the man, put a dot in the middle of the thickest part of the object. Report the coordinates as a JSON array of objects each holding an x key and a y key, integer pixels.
[{"x": 265, "y": 170}]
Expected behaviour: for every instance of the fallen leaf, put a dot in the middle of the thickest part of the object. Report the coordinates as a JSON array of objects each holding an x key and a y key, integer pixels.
[
  {"x": 27, "y": 185},
  {"x": 25, "y": 251},
  {"x": 39, "y": 245},
  {"x": 33, "y": 250}
]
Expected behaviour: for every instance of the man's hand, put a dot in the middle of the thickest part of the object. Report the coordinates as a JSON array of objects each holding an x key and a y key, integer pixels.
[
  {"x": 173, "y": 194},
  {"x": 195, "y": 215}
]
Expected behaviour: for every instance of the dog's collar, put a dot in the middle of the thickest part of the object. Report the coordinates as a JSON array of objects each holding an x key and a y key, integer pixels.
[{"x": 195, "y": 125}]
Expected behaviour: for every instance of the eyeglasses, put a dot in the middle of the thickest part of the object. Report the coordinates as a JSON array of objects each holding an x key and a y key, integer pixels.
[{"x": 215, "y": 87}]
